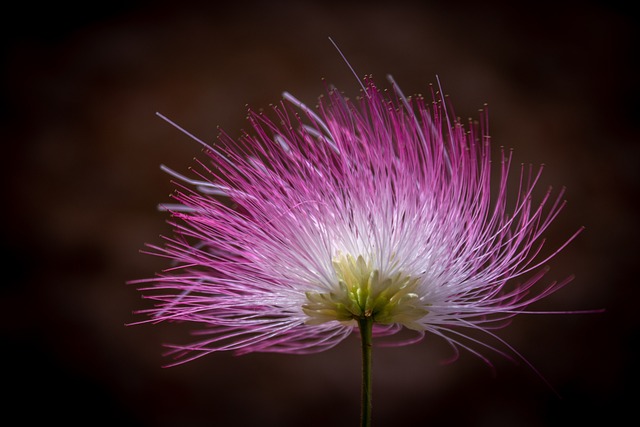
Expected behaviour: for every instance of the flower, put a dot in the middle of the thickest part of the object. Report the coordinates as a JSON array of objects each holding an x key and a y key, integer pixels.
[{"x": 376, "y": 208}]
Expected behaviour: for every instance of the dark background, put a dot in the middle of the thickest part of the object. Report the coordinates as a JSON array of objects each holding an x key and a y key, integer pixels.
[{"x": 80, "y": 162}]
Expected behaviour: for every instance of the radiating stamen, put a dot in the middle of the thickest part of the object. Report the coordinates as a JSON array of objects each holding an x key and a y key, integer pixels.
[
  {"x": 176, "y": 207},
  {"x": 313, "y": 132},
  {"x": 316, "y": 118},
  {"x": 203, "y": 186},
  {"x": 283, "y": 143}
]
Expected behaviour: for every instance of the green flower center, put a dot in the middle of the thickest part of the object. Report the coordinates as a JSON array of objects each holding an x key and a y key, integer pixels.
[{"x": 362, "y": 292}]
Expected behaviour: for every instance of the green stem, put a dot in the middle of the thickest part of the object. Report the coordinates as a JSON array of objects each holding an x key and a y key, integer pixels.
[{"x": 366, "y": 332}]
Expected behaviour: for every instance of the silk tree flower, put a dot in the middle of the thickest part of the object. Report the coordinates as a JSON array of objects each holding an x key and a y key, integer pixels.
[{"x": 381, "y": 213}]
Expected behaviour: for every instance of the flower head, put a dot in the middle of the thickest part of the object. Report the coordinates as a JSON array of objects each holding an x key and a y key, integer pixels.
[{"x": 381, "y": 207}]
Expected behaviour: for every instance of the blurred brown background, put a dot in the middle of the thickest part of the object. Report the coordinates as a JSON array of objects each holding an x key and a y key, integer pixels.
[{"x": 81, "y": 179}]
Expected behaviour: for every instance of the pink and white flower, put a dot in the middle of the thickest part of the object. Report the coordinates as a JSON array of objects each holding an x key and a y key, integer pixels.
[{"x": 381, "y": 207}]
